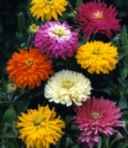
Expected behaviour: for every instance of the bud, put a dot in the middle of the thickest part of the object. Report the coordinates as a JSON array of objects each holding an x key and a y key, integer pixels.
[
  {"x": 11, "y": 87},
  {"x": 33, "y": 28}
]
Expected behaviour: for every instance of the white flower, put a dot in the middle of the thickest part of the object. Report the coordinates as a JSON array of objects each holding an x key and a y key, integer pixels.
[{"x": 67, "y": 87}]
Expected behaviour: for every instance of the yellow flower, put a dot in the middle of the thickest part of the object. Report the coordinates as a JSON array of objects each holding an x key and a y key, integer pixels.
[
  {"x": 97, "y": 57},
  {"x": 40, "y": 128},
  {"x": 48, "y": 9},
  {"x": 33, "y": 28}
]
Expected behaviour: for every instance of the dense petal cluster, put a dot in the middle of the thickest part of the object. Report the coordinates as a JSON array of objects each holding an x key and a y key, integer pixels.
[
  {"x": 48, "y": 9},
  {"x": 57, "y": 40},
  {"x": 68, "y": 87},
  {"x": 29, "y": 68},
  {"x": 97, "y": 57},
  {"x": 101, "y": 18},
  {"x": 97, "y": 116},
  {"x": 40, "y": 128}
]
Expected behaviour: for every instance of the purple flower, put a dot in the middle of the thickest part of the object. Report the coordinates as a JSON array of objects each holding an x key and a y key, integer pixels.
[{"x": 57, "y": 40}]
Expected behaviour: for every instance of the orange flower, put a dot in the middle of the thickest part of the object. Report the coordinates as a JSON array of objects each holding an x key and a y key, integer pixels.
[{"x": 29, "y": 68}]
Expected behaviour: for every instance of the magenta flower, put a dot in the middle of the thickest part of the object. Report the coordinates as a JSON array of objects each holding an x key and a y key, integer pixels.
[
  {"x": 57, "y": 40},
  {"x": 95, "y": 117},
  {"x": 98, "y": 17}
]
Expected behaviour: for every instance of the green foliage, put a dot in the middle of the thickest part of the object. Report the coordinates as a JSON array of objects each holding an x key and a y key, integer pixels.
[{"x": 9, "y": 115}]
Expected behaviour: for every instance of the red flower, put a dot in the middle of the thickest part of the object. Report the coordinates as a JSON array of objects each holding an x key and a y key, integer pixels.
[
  {"x": 98, "y": 17},
  {"x": 95, "y": 117}
]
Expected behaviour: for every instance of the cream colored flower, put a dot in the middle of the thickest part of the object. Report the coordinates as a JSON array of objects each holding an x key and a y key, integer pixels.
[{"x": 67, "y": 88}]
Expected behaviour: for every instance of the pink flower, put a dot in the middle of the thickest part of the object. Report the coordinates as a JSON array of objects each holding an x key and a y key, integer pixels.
[
  {"x": 98, "y": 17},
  {"x": 56, "y": 40},
  {"x": 95, "y": 117}
]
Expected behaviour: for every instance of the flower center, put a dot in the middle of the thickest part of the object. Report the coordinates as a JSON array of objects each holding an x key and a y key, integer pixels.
[
  {"x": 95, "y": 115},
  {"x": 59, "y": 32},
  {"x": 96, "y": 51},
  {"x": 48, "y": 1},
  {"x": 38, "y": 120},
  {"x": 29, "y": 62},
  {"x": 67, "y": 84},
  {"x": 98, "y": 15}
]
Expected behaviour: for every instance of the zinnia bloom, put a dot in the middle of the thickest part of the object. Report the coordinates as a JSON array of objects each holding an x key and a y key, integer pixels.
[
  {"x": 97, "y": 117},
  {"x": 29, "y": 68},
  {"x": 40, "y": 128},
  {"x": 48, "y": 9},
  {"x": 101, "y": 18},
  {"x": 57, "y": 40},
  {"x": 67, "y": 88},
  {"x": 97, "y": 57}
]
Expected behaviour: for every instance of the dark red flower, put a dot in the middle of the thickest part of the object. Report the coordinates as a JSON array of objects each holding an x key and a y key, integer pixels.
[{"x": 97, "y": 17}]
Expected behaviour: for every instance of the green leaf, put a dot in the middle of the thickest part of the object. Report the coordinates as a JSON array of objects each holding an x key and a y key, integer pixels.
[
  {"x": 124, "y": 35},
  {"x": 122, "y": 145},
  {"x": 68, "y": 142},
  {"x": 123, "y": 103},
  {"x": 3, "y": 145},
  {"x": 9, "y": 144},
  {"x": 21, "y": 22},
  {"x": 75, "y": 146},
  {"x": 117, "y": 138},
  {"x": 9, "y": 115},
  {"x": 22, "y": 105},
  {"x": 124, "y": 39},
  {"x": 12, "y": 144},
  {"x": 124, "y": 73},
  {"x": 100, "y": 143},
  {"x": 78, "y": 2}
]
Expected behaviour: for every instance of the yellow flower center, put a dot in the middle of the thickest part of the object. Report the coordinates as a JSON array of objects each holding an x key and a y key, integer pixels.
[
  {"x": 96, "y": 51},
  {"x": 95, "y": 115},
  {"x": 98, "y": 15},
  {"x": 33, "y": 28},
  {"x": 59, "y": 32},
  {"x": 49, "y": 1},
  {"x": 29, "y": 62},
  {"x": 67, "y": 84},
  {"x": 38, "y": 120}
]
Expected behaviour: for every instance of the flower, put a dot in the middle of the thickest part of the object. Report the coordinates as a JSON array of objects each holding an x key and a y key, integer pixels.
[
  {"x": 97, "y": 117},
  {"x": 48, "y": 9},
  {"x": 67, "y": 87},
  {"x": 28, "y": 68},
  {"x": 57, "y": 40},
  {"x": 97, "y": 57},
  {"x": 40, "y": 128},
  {"x": 101, "y": 18},
  {"x": 33, "y": 28}
]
